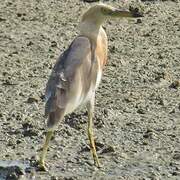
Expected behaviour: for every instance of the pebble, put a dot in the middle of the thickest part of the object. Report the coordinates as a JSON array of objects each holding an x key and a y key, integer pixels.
[
  {"x": 90, "y": 1},
  {"x": 54, "y": 178},
  {"x": 141, "y": 111},
  {"x": 32, "y": 99},
  {"x": 175, "y": 84},
  {"x": 109, "y": 149},
  {"x": 176, "y": 156},
  {"x": 139, "y": 21}
]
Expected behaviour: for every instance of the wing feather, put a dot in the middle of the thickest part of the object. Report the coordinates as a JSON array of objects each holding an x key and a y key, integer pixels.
[{"x": 63, "y": 73}]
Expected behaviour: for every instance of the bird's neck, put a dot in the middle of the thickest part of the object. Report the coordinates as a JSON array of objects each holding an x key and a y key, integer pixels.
[
  {"x": 91, "y": 30},
  {"x": 98, "y": 38}
]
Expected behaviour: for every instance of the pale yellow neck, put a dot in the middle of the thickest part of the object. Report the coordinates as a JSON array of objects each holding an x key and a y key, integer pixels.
[
  {"x": 91, "y": 30},
  {"x": 98, "y": 38}
]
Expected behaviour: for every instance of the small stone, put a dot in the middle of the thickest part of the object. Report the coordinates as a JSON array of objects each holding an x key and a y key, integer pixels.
[
  {"x": 172, "y": 111},
  {"x": 175, "y": 84},
  {"x": 54, "y": 178},
  {"x": 138, "y": 21},
  {"x": 136, "y": 11},
  {"x": 30, "y": 43},
  {"x": 53, "y": 44},
  {"x": 141, "y": 111},
  {"x": 33, "y": 99},
  {"x": 109, "y": 149},
  {"x": 128, "y": 99},
  {"x": 18, "y": 141},
  {"x": 174, "y": 173},
  {"x": 99, "y": 123},
  {"x": 30, "y": 132},
  {"x": 27, "y": 125},
  {"x": 112, "y": 49},
  {"x": 176, "y": 156},
  {"x": 145, "y": 143},
  {"x": 69, "y": 133},
  {"x": 162, "y": 102},
  {"x": 21, "y": 94},
  {"x": 146, "y": 135},
  {"x": 11, "y": 142},
  {"x": 9, "y": 82},
  {"x": 130, "y": 124},
  {"x": 56, "y": 156},
  {"x": 85, "y": 148},
  {"x": 105, "y": 112},
  {"x": 149, "y": 130},
  {"x": 99, "y": 145},
  {"x": 90, "y": 1},
  {"x": 19, "y": 14},
  {"x": 2, "y": 19}
]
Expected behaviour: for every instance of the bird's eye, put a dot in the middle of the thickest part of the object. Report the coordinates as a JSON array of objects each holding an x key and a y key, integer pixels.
[
  {"x": 103, "y": 10},
  {"x": 106, "y": 11}
]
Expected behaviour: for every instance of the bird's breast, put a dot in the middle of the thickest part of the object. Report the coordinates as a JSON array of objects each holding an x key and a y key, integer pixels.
[{"x": 101, "y": 50}]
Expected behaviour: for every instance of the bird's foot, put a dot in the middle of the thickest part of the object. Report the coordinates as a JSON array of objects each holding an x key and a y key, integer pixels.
[
  {"x": 42, "y": 166},
  {"x": 97, "y": 163}
]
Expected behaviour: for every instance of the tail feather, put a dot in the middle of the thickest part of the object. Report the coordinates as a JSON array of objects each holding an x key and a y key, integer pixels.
[
  {"x": 54, "y": 117},
  {"x": 58, "y": 100}
]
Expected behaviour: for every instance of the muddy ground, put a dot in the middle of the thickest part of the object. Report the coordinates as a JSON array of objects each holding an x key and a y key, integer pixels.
[{"x": 137, "y": 116}]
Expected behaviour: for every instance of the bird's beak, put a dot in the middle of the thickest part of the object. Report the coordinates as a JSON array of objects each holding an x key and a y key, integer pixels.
[{"x": 125, "y": 13}]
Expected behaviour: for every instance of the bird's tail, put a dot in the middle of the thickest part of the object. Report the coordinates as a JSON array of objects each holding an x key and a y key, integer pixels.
[{"x": 54, "y": 117}]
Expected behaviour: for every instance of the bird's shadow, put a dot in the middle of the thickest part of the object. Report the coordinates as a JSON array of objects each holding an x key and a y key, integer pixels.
[{"x": 76, "y": 120}]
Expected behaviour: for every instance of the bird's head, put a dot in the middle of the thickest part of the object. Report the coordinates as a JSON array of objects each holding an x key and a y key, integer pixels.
[{"x": 99, "y": 13}]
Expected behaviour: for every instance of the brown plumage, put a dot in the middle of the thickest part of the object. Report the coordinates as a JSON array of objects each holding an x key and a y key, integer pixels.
[
  {"x": 67, "y": 88},
  {"x": 78, "y": 71}
]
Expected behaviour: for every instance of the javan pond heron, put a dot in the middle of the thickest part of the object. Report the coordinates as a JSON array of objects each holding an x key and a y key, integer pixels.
[{"x": 78, "y": 71}]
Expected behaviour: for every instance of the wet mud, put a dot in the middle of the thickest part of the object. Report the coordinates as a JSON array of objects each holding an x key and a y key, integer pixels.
[{"x": 137, "y": 114}]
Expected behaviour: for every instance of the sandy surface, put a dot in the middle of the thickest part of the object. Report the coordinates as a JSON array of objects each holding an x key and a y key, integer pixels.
[{"x": 137, "y": 117}]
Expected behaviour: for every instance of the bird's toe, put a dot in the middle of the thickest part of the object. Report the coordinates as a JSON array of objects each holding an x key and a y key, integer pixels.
[{"x": 42, "y": 166}]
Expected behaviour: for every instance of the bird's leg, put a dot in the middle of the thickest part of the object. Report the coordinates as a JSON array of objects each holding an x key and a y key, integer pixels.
[
  {"x": 44, "y": 151},
  {"x": 90, "y": 108}
]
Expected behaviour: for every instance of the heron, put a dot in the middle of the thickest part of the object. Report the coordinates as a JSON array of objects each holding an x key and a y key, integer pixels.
[{"x": 77, "y": 73}]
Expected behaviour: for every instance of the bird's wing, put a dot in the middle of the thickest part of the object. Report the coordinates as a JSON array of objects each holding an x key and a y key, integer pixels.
[{"x": 63, "y": 73}]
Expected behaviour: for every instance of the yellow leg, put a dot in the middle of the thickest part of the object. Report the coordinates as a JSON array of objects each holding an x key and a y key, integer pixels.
[
  {"x": 44, "y": 151},
  {"x": 90, "y": 108}
]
